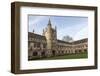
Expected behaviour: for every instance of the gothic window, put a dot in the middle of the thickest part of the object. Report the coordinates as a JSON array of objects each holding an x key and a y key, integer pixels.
[
  {"x": 34, "y": 44},
  {"x": 38, "y": 44},
  {"x": 44, "y": 45}
]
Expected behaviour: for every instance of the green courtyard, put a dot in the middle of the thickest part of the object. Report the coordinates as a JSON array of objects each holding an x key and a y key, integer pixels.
[{"x": 67, "y": 56}]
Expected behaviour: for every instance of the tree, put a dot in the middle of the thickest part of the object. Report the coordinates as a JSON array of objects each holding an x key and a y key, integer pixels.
[{"x": 67, "y": 38}]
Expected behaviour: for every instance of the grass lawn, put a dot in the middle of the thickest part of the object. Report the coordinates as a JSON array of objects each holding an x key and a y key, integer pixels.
[{"x": 67, "y": 56}]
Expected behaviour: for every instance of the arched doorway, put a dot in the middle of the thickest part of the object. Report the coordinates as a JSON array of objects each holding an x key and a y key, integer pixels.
[
  {"x": 80, "y": 51},
  {"x": 53, "y": 52},
  {"x": 76, "y": 51},
  {"x": 43, "y": 54},
  {"x": 35, "y": 53}
]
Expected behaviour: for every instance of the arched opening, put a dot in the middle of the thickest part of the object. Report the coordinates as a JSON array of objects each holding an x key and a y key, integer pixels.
[
  {"x": 85, "y": 50},
  {"x": 79, "y": 51},
  {"x": 35, "y": 53},
  {"x": 70, "y": 51},
  {"x": 43, "y": 54},
  {"x": 53, "y": 53},
  {"x": 66, "y": 51},
  {"x": 76, "y": 51},
  {"x": 61, "y": 51}
]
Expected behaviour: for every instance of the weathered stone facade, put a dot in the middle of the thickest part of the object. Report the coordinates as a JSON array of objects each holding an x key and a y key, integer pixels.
[{"x": 47, "y": 44}]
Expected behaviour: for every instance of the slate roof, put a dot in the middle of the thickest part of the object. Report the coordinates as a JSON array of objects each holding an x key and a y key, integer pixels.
[
  {"x": 74, "y": 42},
  {"x": 80, "y": 41},
  {"x": 37, "y": 36},
  {"x": 61, "y": 41}
]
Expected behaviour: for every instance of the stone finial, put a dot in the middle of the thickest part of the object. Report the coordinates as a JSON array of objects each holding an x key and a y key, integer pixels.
[
  {"x": 49, "y": 22},
  {"x": 33, "y": 31}
]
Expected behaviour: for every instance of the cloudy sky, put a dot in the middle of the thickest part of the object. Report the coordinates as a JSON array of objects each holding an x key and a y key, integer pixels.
[{"x": 76, "y": 27}]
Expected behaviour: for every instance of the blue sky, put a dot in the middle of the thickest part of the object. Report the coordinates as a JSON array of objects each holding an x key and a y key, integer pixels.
[{"x": 76, "y": 27}]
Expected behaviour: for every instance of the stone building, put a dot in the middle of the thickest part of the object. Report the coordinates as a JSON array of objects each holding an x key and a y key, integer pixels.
[{"x": 47, "y": 44}]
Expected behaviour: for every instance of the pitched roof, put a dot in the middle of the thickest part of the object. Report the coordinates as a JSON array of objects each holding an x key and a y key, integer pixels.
[
  {"x": 37, "y": 36},
  {"x": 80, "y": 41},
  {"x": 74, "y": 42},
  {"x": 61, "y": 41}
]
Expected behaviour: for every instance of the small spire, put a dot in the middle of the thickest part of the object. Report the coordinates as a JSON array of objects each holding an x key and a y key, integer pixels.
[
  {"x": 33, "y": 30},
  {"x": 49, "y": 22}
]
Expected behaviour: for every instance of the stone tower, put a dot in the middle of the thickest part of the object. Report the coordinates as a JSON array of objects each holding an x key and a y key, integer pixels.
[{"x": 51, "y": 36}]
